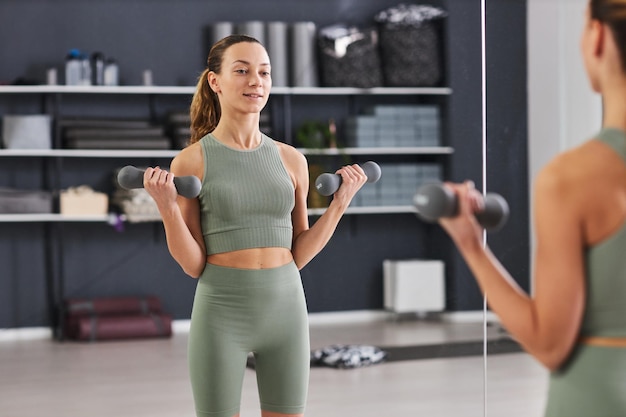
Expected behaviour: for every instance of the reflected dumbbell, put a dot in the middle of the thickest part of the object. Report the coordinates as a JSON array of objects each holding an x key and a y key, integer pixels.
[{"x": 435, "y": 200}]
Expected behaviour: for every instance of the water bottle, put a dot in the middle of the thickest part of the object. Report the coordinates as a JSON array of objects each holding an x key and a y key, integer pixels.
[
  {"x": 97, "y": 68},
  {"x": 73, "y": 68},
  {"x": 111, "y": 72},
  {"x": 85, "y": 70}
]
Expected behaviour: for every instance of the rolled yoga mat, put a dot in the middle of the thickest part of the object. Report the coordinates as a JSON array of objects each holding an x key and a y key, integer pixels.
[
  {"x": 303, "y": 55},
  {"x": 220, "y": 30},
  {"x": 255, "y": 29},
  {"x": 277, "y": 47}
]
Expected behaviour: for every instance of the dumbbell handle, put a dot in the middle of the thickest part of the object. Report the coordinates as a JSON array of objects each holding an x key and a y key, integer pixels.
[
  {"x": 435, "y": 200},
  {"x": 131, "y": 177},
  {"x": 327, "y": 184}
]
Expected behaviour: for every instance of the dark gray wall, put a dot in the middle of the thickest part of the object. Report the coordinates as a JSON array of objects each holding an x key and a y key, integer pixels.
[{"x": 170, "y": 38}]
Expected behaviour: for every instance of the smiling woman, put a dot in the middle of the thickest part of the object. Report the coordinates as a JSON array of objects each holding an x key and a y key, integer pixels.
[{"x": 245, "y": 237}]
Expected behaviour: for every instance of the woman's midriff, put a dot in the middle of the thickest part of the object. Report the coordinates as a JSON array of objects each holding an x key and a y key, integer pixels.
[
  {"x": 255, "y": 258},
  {"x": 604, "y": 341}
]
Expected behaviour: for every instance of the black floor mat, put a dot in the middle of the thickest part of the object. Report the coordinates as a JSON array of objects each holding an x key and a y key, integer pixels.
[
  {"x": 450, "y": 350},
  {"x": 442, "y": 350}
]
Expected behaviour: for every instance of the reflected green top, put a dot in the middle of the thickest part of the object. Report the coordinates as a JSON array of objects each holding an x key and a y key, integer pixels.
[{"x": 605, "y": 311}]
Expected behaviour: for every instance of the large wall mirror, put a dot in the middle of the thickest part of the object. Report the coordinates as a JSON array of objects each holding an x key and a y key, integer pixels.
[{"x": 542, "y": 72}]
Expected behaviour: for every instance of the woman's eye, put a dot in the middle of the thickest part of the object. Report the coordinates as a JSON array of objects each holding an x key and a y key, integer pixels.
[{"x": 240, "y": 71}]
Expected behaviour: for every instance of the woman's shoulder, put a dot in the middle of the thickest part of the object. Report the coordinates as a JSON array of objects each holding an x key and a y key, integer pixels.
[
  {"x": 289, "y": 151},
  {"x": 189, "y": 161},
  {"x": 576, "y": 170}
]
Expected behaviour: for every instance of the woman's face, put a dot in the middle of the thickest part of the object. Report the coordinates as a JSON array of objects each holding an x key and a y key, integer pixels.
[{"x": 245, "y": 81}]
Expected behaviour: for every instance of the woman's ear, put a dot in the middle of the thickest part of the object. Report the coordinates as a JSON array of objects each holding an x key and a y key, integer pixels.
[
  {"x": 599, "y": 37},
  {"x": 212, "y": 80}
]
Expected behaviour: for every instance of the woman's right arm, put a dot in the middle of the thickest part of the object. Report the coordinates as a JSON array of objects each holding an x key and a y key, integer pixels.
[
  {"x": 181, "y": 216},
  {"x": 547, "y": 323}
]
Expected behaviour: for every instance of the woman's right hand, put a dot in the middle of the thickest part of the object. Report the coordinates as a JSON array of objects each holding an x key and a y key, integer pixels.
[
  {"x": 159, "y": 183},
  {"x": 463, "y": 228}
]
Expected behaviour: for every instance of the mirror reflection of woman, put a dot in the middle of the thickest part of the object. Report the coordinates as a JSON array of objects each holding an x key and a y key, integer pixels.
[
  {"x": 245, "y": 237},
  {"x": 574, "y": 323}
]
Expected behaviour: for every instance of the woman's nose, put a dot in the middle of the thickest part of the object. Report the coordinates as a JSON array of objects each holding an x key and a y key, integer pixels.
[{"x": 255, "y": 79}]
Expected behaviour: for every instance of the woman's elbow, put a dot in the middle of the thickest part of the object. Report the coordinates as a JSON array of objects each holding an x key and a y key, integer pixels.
[
  {"x": 553, "y": 359},
  {"x": 194, "y": 271}
]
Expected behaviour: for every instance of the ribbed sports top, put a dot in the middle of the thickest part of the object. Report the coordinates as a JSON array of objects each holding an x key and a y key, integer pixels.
[
  {"x": 605, "y": 310},
  {"x": 246, "y": 197}
]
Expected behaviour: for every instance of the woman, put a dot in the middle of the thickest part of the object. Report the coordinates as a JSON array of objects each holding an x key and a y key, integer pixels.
[
  {"x": 575, "y": 322},
  {"x": 246, "y": 237}
]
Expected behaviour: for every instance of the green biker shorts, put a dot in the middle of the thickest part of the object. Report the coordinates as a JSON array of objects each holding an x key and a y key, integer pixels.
[{"x": 238, "y": 311}]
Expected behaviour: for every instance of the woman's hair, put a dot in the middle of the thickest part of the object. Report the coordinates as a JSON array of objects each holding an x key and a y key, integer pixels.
[
  {"x": 613, "y": 14},
  {"x": 205, "y": 109}
]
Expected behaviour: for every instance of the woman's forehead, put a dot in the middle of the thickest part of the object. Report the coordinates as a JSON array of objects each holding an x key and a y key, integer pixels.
[{"x": 246, "y": 52}]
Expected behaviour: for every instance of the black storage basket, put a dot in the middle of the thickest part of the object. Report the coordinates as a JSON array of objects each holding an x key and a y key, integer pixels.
[
  {"x": 349, "y": 57},
  {"x": 411, "y": 46}
]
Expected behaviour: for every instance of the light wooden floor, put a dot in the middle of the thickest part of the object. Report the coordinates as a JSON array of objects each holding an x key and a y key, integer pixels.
[{"x": 149, "y": 378}]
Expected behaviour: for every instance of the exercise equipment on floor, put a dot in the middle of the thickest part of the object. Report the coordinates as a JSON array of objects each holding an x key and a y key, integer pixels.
[{"x": 115, "y": 318}]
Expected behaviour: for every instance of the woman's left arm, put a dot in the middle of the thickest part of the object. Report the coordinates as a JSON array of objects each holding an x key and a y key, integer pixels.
[{"x": 309, "y": 241}]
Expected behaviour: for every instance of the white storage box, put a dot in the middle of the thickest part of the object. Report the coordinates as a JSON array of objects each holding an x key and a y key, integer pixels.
[
  {"x": 27, "y": 131},
  {"x": 414, "y": 286},
  {"x": 83, "y": 201}
]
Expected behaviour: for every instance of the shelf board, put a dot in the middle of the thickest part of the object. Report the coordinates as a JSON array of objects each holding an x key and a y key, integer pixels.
[
  {"x": 56, "y": 218},
  {"x": 90, "y": 153},
  {"x": 138, "y": 153},
  {"x": 50, "y": 217},
  {"x": 184, "y": 90},
  {"x": 369, "y": 210},
  {"x": 386, "y": 150},
  {"x": 89, "y": 89}
]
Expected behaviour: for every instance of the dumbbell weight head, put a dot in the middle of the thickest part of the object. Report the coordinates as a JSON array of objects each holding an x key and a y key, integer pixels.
[
  {"x": 435, "y": 200},
  {"x": 130, "y": 177},
  {"x": 327, "y": 184},
  {"x": 495, "y": 213}
]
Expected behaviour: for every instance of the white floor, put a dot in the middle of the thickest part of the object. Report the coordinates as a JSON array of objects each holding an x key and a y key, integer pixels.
[{"x": 148, "y": 378}]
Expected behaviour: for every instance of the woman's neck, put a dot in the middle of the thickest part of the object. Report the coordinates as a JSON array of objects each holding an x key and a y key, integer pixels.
[
  {"x": 614, "y": 107},
  {"x": 242, "y": 133}
]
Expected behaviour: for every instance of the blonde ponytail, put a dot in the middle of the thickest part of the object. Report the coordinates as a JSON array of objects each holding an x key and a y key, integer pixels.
[{"x": 205, "y": 109}]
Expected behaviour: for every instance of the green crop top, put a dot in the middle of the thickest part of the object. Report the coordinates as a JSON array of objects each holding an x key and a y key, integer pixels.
[
  {"x": 246, "y": 198},
  {"x": 605, "y": 311}
]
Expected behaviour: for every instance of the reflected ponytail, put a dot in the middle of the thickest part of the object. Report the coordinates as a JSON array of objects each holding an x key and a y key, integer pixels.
[{"x": 613, "y": 14}]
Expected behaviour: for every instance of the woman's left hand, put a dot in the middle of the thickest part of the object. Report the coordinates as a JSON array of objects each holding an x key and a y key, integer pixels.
[{"x": 352, "y": 179}]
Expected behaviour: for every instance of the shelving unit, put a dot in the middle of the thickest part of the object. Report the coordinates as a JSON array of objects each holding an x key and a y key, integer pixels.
[
  {"x": 286, "y": 92},
  {"x": 52, "y": 103}
]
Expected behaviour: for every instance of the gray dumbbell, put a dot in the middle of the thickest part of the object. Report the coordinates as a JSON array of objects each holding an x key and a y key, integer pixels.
[{"x": 435, "y": 200}]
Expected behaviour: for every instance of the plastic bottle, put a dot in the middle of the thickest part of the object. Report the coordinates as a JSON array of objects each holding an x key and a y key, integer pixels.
[
  {"x": 111, "y": 72},
  {"x": 97, "y": 68},
  {"x": 85, "y": 69},
  {"x": 73, "y": 68}
]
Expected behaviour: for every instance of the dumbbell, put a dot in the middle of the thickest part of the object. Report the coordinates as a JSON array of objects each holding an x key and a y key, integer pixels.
[
  {"x": 131, "y": 177},
  {"x": 435, "y": 200},
  {"x": 327, "y": 184}
]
